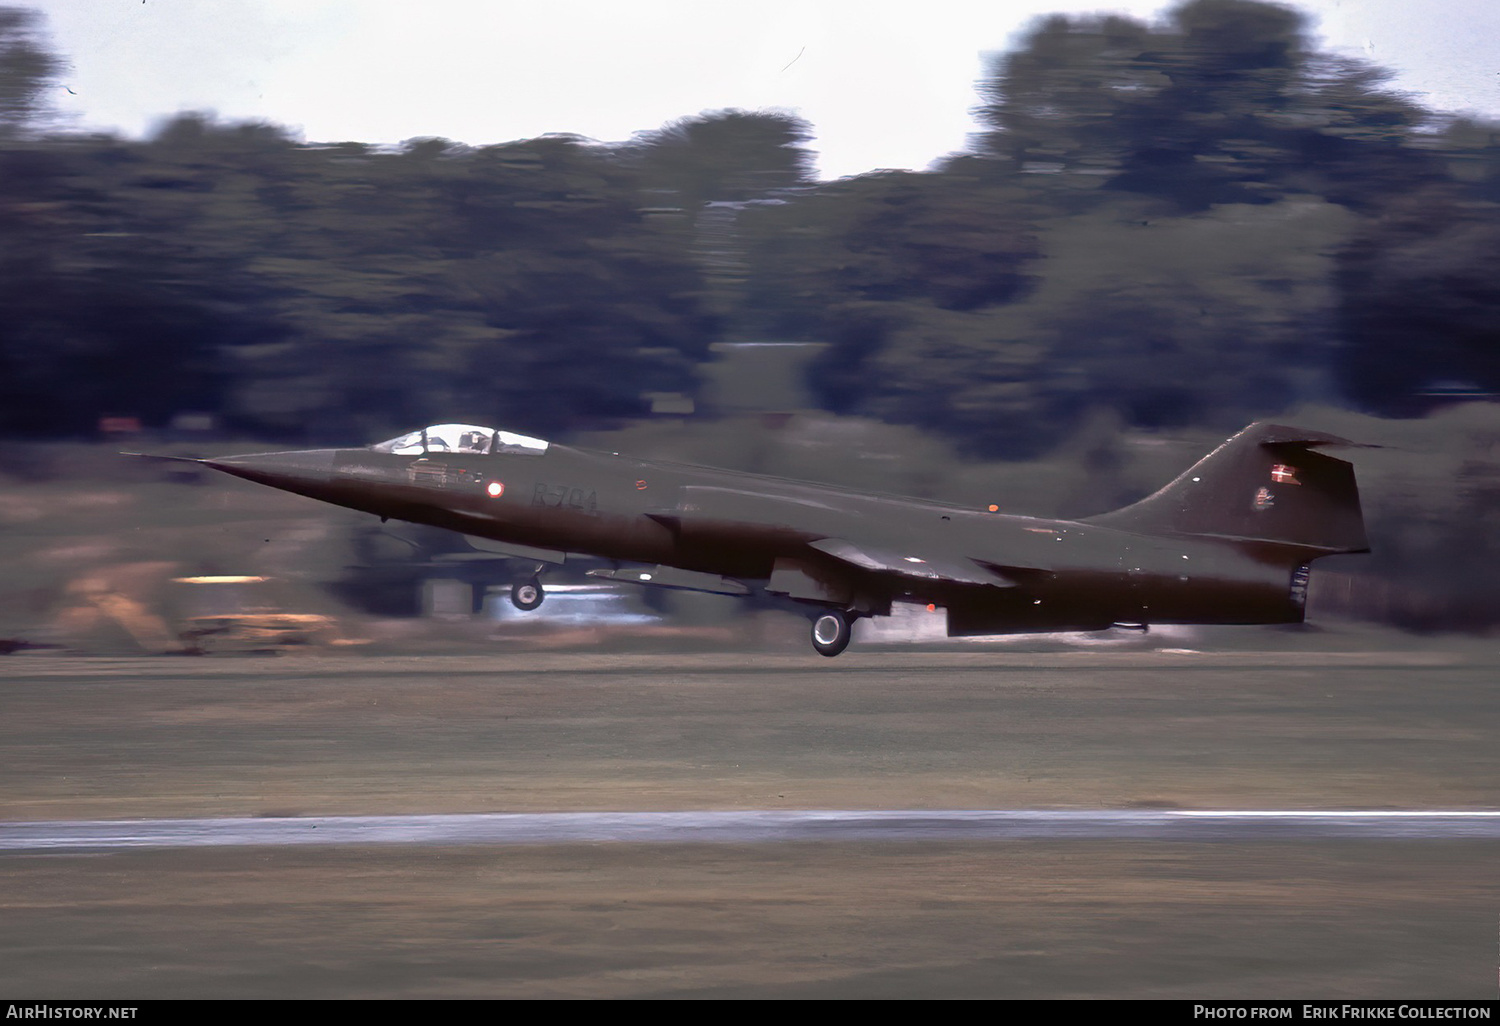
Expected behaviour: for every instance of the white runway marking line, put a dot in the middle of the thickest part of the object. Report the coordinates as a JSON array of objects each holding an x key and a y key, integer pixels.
[
  {"x": 1335, "y": 813},
  {"x": 755, "y": 826}
]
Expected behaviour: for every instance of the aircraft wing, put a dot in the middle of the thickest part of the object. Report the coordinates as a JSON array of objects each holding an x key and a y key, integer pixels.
[
  {"x": 719, "y": 504},
  {"x": 924, "y": 565},
  {"x": 815, "y": 514},
  {"x": 487, "y": 549}
]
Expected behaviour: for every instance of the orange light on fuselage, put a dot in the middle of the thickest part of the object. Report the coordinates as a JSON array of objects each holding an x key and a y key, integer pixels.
[{"x": 494, "y": 489}]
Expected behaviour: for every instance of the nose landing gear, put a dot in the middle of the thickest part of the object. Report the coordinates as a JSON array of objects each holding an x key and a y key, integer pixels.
[{"x": 527, "y": 595}]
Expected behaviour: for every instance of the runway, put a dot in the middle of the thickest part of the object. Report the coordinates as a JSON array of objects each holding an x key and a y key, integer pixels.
[
  {"x": 754, "y": 826},
  {"x": 1214, "y": 824}
]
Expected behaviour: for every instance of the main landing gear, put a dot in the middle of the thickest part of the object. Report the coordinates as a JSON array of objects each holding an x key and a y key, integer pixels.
[
  {"x": 831, "y": 630},
  {"x": 527, "y": 595}
]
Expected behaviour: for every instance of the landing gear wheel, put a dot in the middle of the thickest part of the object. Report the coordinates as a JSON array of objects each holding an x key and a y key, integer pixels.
[
  {"x": 831, "y": 630},
  {"x": 527, "y": 595}
]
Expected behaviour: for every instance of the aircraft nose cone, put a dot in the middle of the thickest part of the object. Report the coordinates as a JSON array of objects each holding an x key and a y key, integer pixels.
[{"x": 280, "y": 469}]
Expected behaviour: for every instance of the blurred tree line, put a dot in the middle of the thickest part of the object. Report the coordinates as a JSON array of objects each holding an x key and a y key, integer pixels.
[{"x": 1192, "y": 223}]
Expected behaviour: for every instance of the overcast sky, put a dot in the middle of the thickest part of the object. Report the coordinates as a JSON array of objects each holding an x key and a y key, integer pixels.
[{"x": 884, "y": 83}]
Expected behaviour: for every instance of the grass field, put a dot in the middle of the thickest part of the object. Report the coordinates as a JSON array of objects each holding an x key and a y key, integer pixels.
[{"x": 1297, "y": 727}]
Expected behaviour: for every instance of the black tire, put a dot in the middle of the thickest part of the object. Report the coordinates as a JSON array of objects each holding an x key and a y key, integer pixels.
[
  {"x": 831, "y": 630},
  {"x": 527, "y": 595}
]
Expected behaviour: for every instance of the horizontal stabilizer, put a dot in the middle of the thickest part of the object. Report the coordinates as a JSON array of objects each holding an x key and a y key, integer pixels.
[{"x": 1281, "y": 434}]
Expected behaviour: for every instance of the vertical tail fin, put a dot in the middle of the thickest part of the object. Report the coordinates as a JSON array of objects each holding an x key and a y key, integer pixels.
[{"x": 1265, "y": 484}]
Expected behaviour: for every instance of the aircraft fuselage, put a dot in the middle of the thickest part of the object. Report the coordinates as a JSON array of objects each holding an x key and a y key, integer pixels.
[{"x": 1019, "y": 574}]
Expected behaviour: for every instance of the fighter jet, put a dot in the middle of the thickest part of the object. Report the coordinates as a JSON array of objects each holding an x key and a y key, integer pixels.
[{"x": 1229, "y": 541}]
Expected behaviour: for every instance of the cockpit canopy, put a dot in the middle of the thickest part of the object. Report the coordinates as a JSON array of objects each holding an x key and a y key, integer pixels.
[{"x": 470, "y": 438}]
